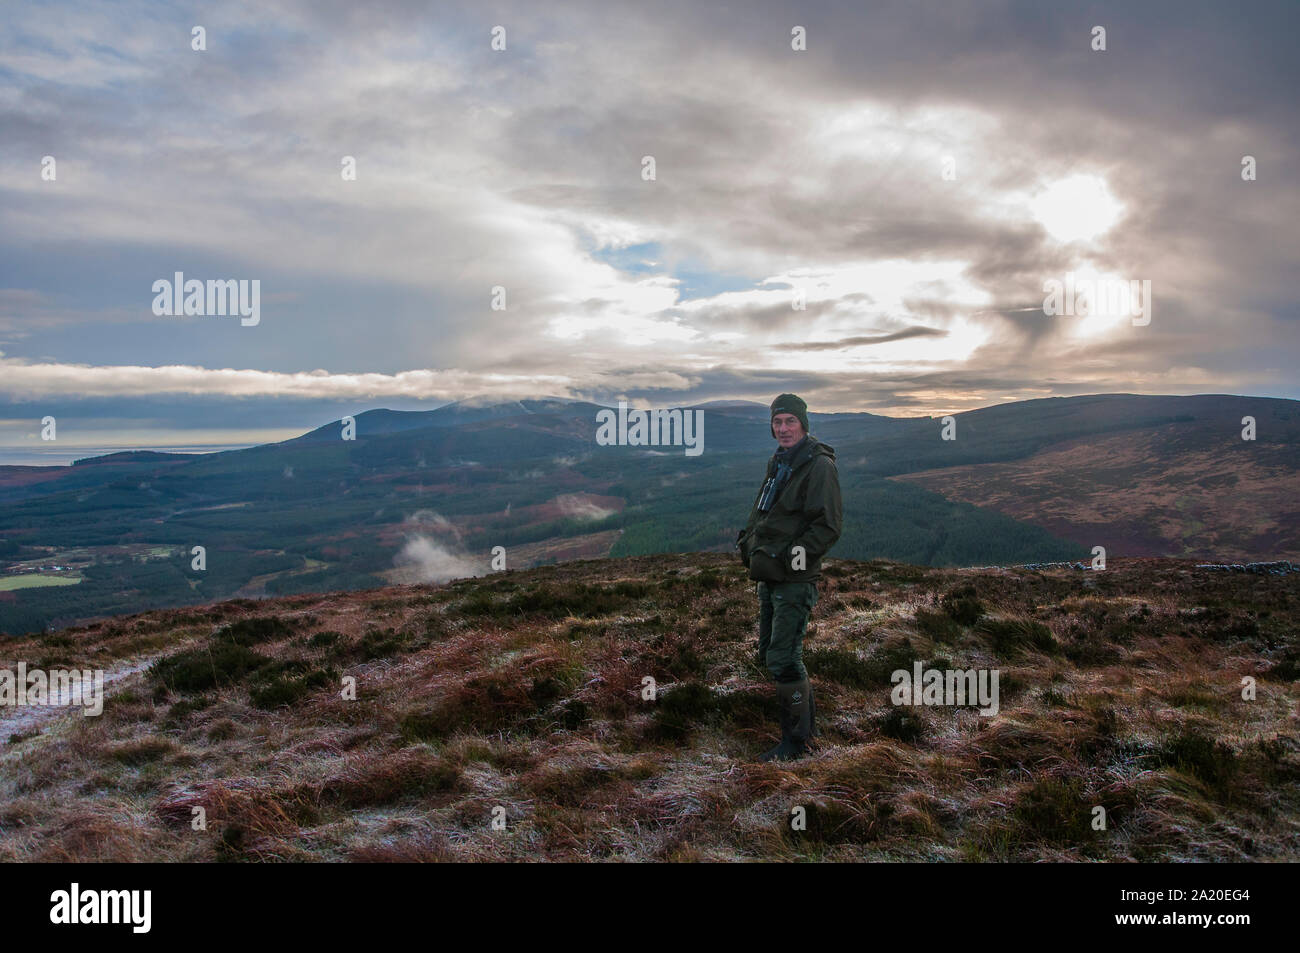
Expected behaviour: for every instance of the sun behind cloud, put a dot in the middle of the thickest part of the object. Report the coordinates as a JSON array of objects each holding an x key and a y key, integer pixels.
[{"x": 1077, "y": 208}]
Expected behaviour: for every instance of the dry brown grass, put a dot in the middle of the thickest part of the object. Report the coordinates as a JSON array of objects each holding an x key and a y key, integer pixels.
[{"x": 511, "y": 697}]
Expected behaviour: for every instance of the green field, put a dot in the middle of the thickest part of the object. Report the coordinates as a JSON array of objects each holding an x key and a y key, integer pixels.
[{"x": 33, "y": 581}]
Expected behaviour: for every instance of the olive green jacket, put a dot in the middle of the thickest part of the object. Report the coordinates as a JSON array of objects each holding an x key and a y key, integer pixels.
[{"x": 807, "y": 513}]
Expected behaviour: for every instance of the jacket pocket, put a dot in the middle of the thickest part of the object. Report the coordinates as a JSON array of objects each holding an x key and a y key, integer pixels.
[{"x": 767, "y": 563}]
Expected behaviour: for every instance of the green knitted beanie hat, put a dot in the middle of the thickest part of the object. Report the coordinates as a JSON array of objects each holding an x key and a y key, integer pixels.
[{"x": 791, "y": 404}]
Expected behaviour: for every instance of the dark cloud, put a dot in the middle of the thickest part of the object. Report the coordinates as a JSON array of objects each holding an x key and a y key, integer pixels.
[
  {"x": 817, "y": 170},
  {"x": 863, "y": 341}
]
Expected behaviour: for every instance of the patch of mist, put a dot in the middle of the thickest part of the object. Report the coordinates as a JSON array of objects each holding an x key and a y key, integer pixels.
[
  {"x": 434, "y": 553},
  {"x": 429, "y": 521},
  {"x": 426, "y": 560},
  {"x": 581, "y": 508}
]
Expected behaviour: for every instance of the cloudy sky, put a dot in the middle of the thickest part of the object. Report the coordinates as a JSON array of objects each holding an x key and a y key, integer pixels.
[{"x": 916, "y": 175}]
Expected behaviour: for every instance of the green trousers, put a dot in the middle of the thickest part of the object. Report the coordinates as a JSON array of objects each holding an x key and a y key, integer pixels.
[{"x": 783, "y": 611}]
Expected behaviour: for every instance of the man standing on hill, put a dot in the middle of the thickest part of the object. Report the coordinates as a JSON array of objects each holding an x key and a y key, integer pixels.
[{"x": 795, "y": 519}]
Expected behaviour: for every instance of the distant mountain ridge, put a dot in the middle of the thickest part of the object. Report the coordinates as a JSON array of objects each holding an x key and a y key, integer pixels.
[
  {"x": 131, "y": 456},
  {"x": 429, "y": 494}
]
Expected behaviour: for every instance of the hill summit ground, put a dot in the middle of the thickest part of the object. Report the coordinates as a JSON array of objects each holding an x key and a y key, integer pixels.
[{"x": 509, "y": 718}]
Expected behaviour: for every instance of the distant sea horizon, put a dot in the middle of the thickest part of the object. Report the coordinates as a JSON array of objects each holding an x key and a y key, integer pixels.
[{"x": 26, "y": 456}]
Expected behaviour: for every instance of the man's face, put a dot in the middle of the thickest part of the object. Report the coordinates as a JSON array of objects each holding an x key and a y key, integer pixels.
[{"x": 788, "y": 430}]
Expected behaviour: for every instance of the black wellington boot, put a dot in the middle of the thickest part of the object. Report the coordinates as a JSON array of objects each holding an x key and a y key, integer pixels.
[{"x": 796, "y": 724}]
